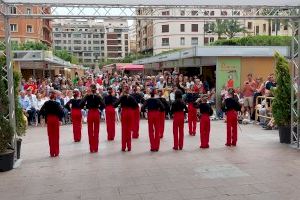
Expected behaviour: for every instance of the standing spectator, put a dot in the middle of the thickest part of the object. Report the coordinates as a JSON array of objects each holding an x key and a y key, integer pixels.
[
  {"x": 271, "y": 82},
  {"x": 248, "y": 93}
]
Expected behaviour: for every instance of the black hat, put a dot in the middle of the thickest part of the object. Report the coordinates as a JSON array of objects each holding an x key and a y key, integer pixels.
[{"x": 93, "y": 87}]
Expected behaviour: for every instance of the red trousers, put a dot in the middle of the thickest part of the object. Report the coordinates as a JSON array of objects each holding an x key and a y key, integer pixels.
[
  {"x": 93, "y": 121},
  {"x": 110, "y": 116},
  {"x": 192, "y": 119},
  {"x": 204, "y": 130},
  {"x": 136, "y": 123},
  {"x": 127, "y": 116},
  {"x": 161, "y": 123},
  {"x": 178, "y": 130},
  {"x": 77, "y": 123},
  {"x": 231, "y": 127},
  {"x": 154, "y": 129},
  {"x": 53, "y": 134}
]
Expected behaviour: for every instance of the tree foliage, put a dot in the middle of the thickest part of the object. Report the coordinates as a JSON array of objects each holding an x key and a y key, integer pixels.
[
  {"x": 281, "y": 105},
  {"x": 26, "y": 46},
  {"x": 65, "y": 55},
  {"x": 228, "y": 28},
  {"x": 258, "y": 40}
]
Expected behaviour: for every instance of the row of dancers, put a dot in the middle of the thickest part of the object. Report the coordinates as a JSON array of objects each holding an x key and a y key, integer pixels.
[{"x": 130, "y": 118}]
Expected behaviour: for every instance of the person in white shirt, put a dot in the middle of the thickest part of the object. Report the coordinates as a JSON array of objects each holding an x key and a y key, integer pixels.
[
  {"x": 33, "y": 105},
  {"x": 160, "y": 83}
]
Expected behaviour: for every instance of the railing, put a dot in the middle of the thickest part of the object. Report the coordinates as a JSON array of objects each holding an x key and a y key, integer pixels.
[{"x": 268, "y": 106}]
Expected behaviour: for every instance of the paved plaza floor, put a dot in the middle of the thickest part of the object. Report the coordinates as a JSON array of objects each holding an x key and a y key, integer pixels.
[{"x": 258, "y": 168}]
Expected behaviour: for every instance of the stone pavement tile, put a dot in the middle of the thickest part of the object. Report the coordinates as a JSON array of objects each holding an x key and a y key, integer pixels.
[
  {"x": 136, "y": 189},
  {"x": 203, "y": 193},
  {"x": 274, "y": 196},
  {"x": 144, "y": 180},
  {"x": 170, "y": 195},
  {"x": 173, "y": 186},
  {"x": 238, "y": 190}
]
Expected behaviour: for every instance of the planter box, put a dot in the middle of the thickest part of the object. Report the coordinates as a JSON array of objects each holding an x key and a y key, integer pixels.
[{"x": 7, "y": 160}]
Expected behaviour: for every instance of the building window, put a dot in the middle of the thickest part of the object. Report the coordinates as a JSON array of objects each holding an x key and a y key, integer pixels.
[
  {"x": 194, "y": 27},
  {"x": 194, "y": 12},
  {"x": 164, "y": 28},
  {"x": 211, "y": 39},
  {"x": 205, "y": 40},
  {"x": 285, "y": 27},
  {"x": 13, "y": 27},
  {"x": 236, "y": 12},
  {"x": 165, "y": 42},
  {"x": 182, "y": 27},
  {"x": 96, "y": 42},
  {"x": 206, "y": 12},
  {"x": 64, "y": 35},
  {"x": 77, "y": 41},
  {"x": 182, "y": 13},
  {"x": 212, "y": 13},
  {"x": 224, "y": 13},
  {"x": 194, "y": 41},
  {"x": 249, "y": 25},
  {"x": 28, "y": 11},
  {"x": 76, "y": 35},
  {"x": 264, "y": 27},
  {"x": 13, "y": 10},
  {"x": 257, "y": 30},
  {"x": 182, "y": 41},
  {"x": 29, "y": 29},
  {"x": 165, "y": 13}
]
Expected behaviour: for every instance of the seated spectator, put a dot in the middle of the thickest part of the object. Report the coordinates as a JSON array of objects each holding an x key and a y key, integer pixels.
[{"x": 26, "y": 105}]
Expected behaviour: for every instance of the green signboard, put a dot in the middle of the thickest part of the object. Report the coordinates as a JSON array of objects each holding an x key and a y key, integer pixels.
[{"x": 227, "y": 68}]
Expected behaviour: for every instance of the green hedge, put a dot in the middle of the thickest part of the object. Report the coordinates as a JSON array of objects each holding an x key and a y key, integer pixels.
[{"x": 259, "y": 40}]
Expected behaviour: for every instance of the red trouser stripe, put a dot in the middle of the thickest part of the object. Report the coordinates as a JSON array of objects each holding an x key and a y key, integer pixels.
[
  {"x": 154, "y": 129},
  {"x": 136, "y": 122},
  {"x": 204, "y": 130},
  {"x": 231, "y": 127},
  {"x": 93, "y": 121},
  {"x": 77, "y": 123},
  {"x": 110, "y": 114},
  {"x": 161, "y": 123},
  {"x": 192, "y": 118},
  {"x": 178, "y": 129},
  {"x": 127, "y": 116},
  {"x": 53, "y": 134}
]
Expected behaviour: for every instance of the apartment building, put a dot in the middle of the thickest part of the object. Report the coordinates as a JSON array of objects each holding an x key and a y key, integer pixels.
[
  {"x": 92, "y": 41},
  {"x": 165, "y": 35},
  {"x": 25, "y": 29}
]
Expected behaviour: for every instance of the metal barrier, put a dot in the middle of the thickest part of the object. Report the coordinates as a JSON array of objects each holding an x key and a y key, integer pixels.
[{"x": 268, "y": 106}]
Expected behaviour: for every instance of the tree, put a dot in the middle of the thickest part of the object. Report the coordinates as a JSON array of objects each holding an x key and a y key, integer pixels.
[
  {"x": 233, "y": 27},
  {"x": 65, "y": 55},
  {"x": 219, "y": 28}
]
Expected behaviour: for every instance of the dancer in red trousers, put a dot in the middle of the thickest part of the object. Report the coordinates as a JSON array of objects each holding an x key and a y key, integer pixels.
[
  {"x": 206, "y": 112},
  {"x": 53, "y": 114},
  {"x": 231, "y": 107},
  {"x": 128, "y": 104},
  {"x": 178, "y": 109},
  {"x": 74, "y": 106},
  {"x": 154, "y": 107},
  {"x": 110, "y": 114},
  {"x": 136, "y": 112},
  {"x": 93, "y": 102},
  {"x": 162, "y": 113},
  {"x": 192, "y": 114}
]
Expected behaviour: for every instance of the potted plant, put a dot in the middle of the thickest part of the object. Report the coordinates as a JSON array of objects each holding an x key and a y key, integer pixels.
[
  {"x": 6, "y": 132},
  {"x": 281, "y": 106}
]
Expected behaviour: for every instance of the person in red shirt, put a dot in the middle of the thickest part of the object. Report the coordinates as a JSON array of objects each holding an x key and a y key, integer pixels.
[
  {"x": 248, "y": 92},
  {"x": 31, "y": 84},
  {"x": 230, "y": 82}
]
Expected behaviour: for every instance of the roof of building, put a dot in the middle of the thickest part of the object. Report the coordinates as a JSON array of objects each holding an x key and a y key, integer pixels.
[
  {"x": 226, "y": 3},
  {"x": 218, "y": 51}
]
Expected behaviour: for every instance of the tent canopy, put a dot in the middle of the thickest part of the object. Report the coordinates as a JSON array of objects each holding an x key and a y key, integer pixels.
[{"x": 131, "y": 67}]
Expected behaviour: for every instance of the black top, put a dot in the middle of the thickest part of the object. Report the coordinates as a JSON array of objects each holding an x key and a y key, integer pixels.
[
  {"x": 231, "y": 104},
  {"x": 138, "y": 97},
  {"x": 190, "y": 98},
  {"x": 166, "y": 104},
  {"x": 269, "y": 85},
  {"x": 92, "y": 101},
  {"x": 126, "y": 101},
  {"x": 110, "y": 100},
  {"x": 205, "y": 108},
  {"x": 178, "y": 106},
  {"x": 153, "y": 104},
  {"x": 75, "y": 104},
  {"x": 51, "y": 107}
]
